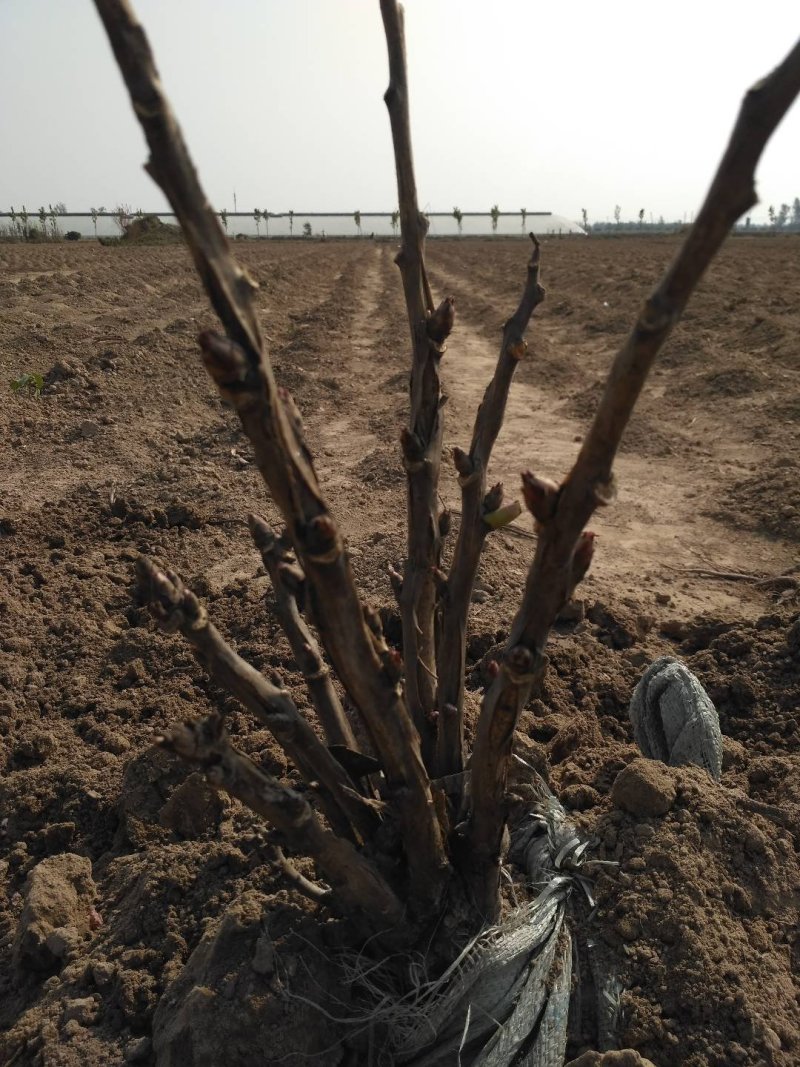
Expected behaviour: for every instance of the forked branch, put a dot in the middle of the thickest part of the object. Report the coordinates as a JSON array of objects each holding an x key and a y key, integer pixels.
[
  {"x": 476, "y": 507},
  {"x": 358, "y": 887},
  {"x": 177, "y": 608},
  {"x": 563, "y": 551}
]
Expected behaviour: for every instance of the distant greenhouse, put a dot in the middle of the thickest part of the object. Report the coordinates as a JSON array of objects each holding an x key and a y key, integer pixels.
[
  {"x": 508, "y": 224},
  {"x": 264, "y": 223}
]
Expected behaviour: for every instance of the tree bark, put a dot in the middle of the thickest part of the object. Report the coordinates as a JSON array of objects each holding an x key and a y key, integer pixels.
[{"x": 422, "y": 440}]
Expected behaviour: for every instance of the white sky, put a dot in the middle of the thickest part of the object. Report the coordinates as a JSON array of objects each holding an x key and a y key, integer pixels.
[{"x": 548, "y": 106}]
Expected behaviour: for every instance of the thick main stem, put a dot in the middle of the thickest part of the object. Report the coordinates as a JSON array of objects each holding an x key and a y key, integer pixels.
[
  {"x": 553, "y": 572},
  {"x": 422, "y": 441}
]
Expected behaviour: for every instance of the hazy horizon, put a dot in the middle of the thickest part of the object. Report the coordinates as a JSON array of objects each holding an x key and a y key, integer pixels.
[{"x": 281, "y": 103}]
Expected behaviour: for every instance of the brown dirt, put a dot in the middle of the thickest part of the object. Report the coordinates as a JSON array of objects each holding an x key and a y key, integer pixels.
[{"x": 129, "y": 450}]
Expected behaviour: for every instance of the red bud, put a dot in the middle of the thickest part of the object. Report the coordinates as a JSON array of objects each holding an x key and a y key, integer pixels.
[
  {"x": 441, "y": 321},
  {"x": 540, "y": 495},
  {"x": 582, "y": 557}
]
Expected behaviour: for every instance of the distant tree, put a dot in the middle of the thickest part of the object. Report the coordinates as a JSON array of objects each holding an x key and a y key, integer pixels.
[
  {"x": 95, "y": 212},
  {"x": 43, "y": 221},
  {"x": 585, "y": 218},
  {"x": 257, "y": 217},
  {"x": 122, "y": 215},
  {"x": 265, "y": 217},
  {"x": 495, "y": 215},
  {"x": 306, "y": 229},
  {"x": 458, "y": 216},
  {"x": 357, "y": 221},
  {"x": 783, "y": 216},
  {"x": 617, "y": 213},
  {"x": 291, "y": 223},
  {"x": 52, "y": 212},
  {"x": 641, "y": 217},
  {"x": 395, "y": 220},
  {"x": 661, "y": 221},
  {"x": 223, "y": 218},
  {"x": 747, "y": 222},
  {"x": 771, "y": 215},
  {"x": 24, "y": 217},
  {"x": 524, "y": 212},
  {"x": 796, "y": 211}
]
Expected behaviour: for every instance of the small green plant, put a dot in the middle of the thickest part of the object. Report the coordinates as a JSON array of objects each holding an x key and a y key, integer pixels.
[
  {"x": 641, "y": 218},
  {"x": 524, "y": 213},
  {"x": 28, "y": 384},
  {"x": 395, "y": 221},
  {"x": 72, "y": 235},
  {"x": 357, "y": 221},
  {"x": 223, "y": 218},
  {"x": 306, "y": 229},
  {"x": 43, "y": 221},
  {"x": 585, "y": 218},
  {"x": 617, "y": 213},
  {"x": 458, "y": 216},
  {"x": 495, "y": 215},
  {"x": 291, "y": 223},
  {"x": 257, "y": 217}
]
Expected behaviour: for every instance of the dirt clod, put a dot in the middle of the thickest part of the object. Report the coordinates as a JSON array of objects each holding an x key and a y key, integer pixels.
[
  {"x": 626, "y": 1057},
  {"x": 645, "y": 787},
  {"x": 58, "y": 897}
]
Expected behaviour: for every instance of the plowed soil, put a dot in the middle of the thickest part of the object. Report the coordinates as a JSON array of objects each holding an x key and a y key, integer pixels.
[{"x": 128, "y": 450}]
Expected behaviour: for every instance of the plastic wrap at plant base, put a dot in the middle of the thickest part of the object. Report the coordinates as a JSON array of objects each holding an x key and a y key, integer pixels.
[
  {"x": 506, "y": 999},
  {"x": 673, "y": 719}
]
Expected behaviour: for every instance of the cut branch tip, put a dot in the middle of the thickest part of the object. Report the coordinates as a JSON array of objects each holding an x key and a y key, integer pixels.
[
  {"x": 605, "y": 493},
  {"x": 501, "y": 517}
]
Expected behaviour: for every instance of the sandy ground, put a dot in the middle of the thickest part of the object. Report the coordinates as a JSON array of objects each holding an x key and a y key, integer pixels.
[{"x": 129, "y": 450}]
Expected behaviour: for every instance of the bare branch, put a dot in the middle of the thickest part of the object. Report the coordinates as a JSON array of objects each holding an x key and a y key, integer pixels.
[
  {"x": 422, "y": 441},
  {"x": 320, "y": 686},
  {"x": 241, "y": 370},
  {"x": 355, "y": 882},
  {"x": 177, "y": 608},
  {"x": 476, "y": 508},
  {"x": 563, "y": 551},
  {"x": 302, "y": 884}
]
